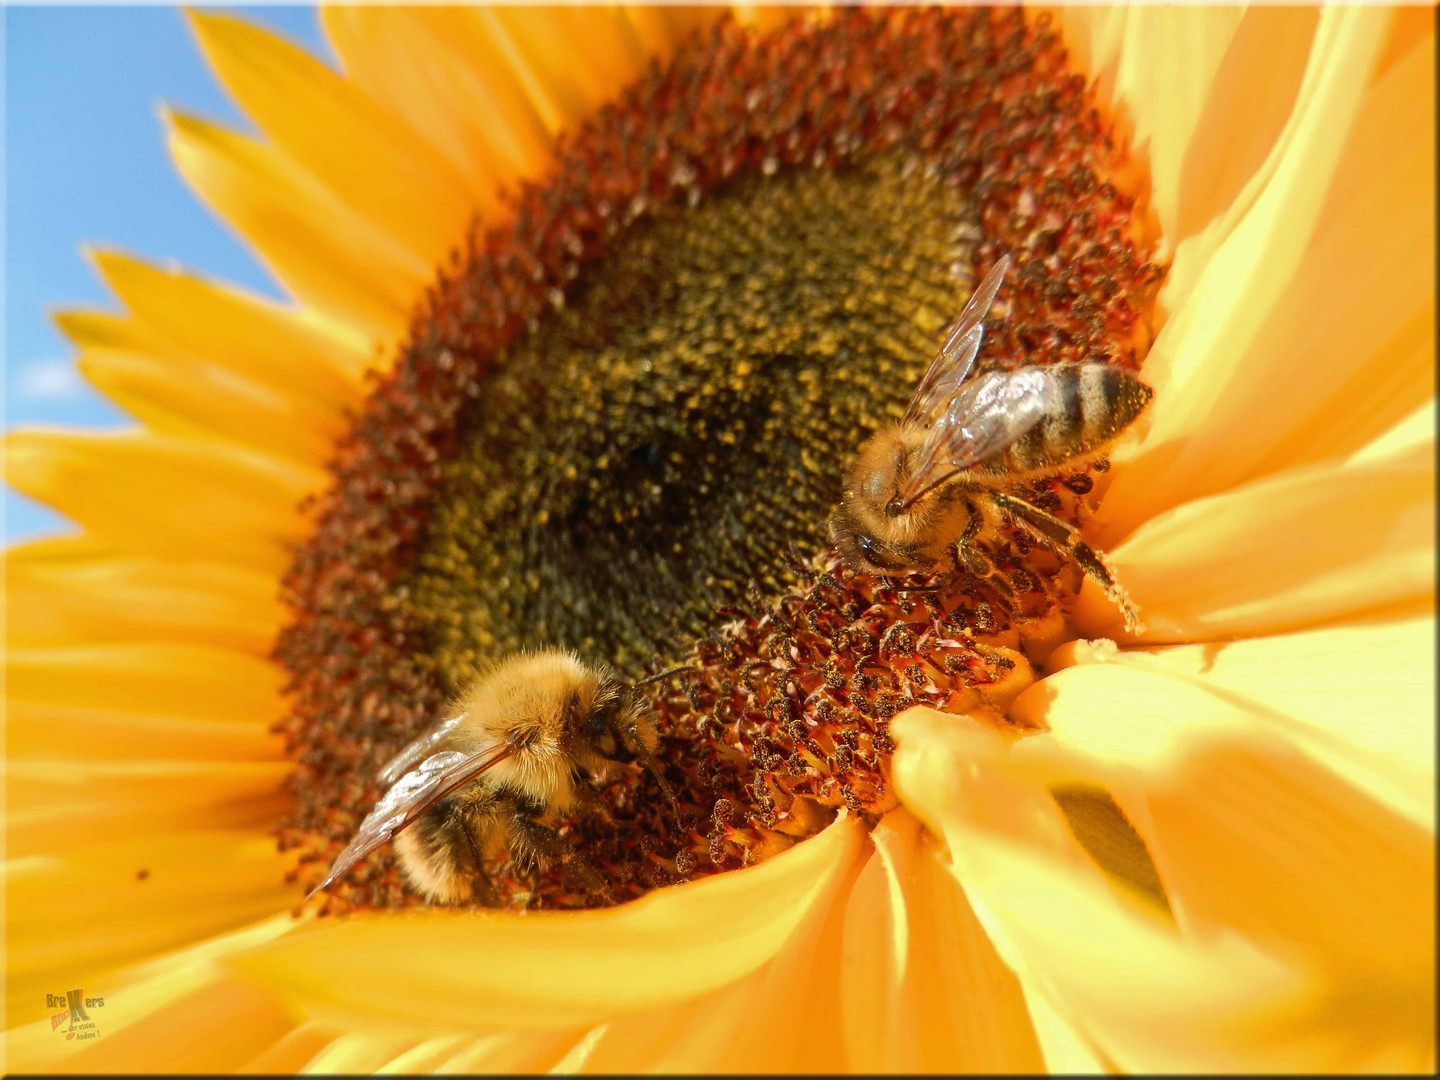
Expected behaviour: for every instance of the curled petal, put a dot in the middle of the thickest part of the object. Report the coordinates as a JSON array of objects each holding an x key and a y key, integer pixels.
[
  {"x": 1273, "y": 329},
  {"x": 1247, "y": 828},
  {"x": 178, "y": 1013},
  {"x": 1220, "y": 988},
  {"x": 1357, "y": 698},
  {"x": 1119, "y": 976},
  {"x": 1211, "y": 113},
  {"x": 560, "y": 970},
  {"x": 923, "y": 989},
  {"x": 93, "y": 907},
  {"x": 1323, "y": 543}
]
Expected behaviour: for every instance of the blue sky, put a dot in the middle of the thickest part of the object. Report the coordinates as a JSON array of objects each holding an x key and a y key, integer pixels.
[{"x": 85, "y": 163}]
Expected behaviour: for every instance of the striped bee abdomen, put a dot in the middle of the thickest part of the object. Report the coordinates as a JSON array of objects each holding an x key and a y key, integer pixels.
[{"x": 1086, "y": 407}]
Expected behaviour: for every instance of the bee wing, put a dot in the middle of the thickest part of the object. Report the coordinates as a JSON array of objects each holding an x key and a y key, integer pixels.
[
  {"x": 417, "y": 750},
  {"x": 985, "y": 416},
  {"x": 952, "y": 362},
  {"x": 409, "y": 797}
]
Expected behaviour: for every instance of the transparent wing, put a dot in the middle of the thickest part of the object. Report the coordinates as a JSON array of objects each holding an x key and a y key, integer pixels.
[
  {"x": 409, "y": 797},
  {"x": 416, "y": 750},
  {"x": 985, "y": 416},
  {"x": 952, "y": 362}
]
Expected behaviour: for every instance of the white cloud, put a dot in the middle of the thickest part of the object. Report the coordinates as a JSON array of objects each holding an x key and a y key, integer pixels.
[{"x": 53, "y": 379}]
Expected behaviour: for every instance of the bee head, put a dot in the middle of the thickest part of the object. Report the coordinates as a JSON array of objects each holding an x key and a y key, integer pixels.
[
  {"x": 618, "y": 725},
  {"x": 871, "y": 528}
]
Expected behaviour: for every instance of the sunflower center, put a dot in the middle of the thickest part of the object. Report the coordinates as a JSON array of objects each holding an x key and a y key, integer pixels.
[
  {"x": 622, "y": 418},
  {"x": 647, "y": 454}
]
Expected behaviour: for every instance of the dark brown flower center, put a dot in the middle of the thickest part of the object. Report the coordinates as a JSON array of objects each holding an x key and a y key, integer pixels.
[
  {"x": 644, "y": 455},
  {"x": 620, "y": 414}
]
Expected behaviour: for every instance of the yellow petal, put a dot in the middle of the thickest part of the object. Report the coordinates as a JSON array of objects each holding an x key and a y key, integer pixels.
[
  {"x": 326, "y": 255},
  {"x": 197, "y": 400},
  {"x": 569, "y": 59},
  {"x": 1247, "y": 360},
  {"x": 1309, "y": 545},
  {"x": 1382, "y": 217},
  {"x": 352, "y": 144},
  {"x": 513, "y": 1052},
  {"x": 48, "y": 801},
  {"x": 165, "y": 679},
  {"x": 67, "y": 549},
  {"x": 922, "y": 987},
  {"x": 97, "y": 601},
  {"x": 92, "y": 734},
  {"x": 663, "y": 29},
  {"x": 1252, "y": 95},
  {"x": 1066, "y": 1051},
  {"x": 1205, "y": 998},
  {"x": 1254, "y": 837},
  {"x": 178, "y": 1013},
  {"x": 1414, "y": 432},
  {"x": 767, "y": 17},
  {"x": 560, "y": 970},
  {"x": 507, "y": 1052},
  {"x": 290, "y": 350},
  {"x": 1359, "y": 699},
  {"x": 198, "y": 360},
  {"x": 429, "y": 64},
  {"x": 360, "y": 1052},
  {"x": 150, "y": 678},
  {"x": 1209, "y": 115},
  {"x": 788, "y": 1009},
  {"x": 423, "y": 1057},
  {"x": 166, "y": 497},
  {"x": 89, "y": 908},
  {"x": 289, "y": 1053},
  {"x": 1203, "y": 760}
]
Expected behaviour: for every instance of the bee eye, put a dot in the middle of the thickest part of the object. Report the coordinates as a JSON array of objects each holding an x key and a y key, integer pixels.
[{"x": 602, "y": 734}]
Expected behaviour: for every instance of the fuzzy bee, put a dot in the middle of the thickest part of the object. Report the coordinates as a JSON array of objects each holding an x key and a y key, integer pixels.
[
  {"x": 529, "y": 739},
  {"x": 925, "y": 492}
]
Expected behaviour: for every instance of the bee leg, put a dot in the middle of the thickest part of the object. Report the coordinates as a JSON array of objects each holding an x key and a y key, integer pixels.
[
  {"x": 900, "y": 586},
  {"x": 480, "y": 886},
  {"x": 972, "y": 561},
  {"x": 1064, "y": 538},
  {"x": 539, "y": 843},
  {"x": 591, "y": 803}
]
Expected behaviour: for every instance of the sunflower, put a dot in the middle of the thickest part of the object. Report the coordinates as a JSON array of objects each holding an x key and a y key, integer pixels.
[{"x": 1205, "y": 845}]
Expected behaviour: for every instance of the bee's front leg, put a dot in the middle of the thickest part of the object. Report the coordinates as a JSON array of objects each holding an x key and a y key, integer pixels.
[
  {"x": 590, "y": 802},
  {"x": 969, "y": 559},
  {"x": 537, "y": 843}
]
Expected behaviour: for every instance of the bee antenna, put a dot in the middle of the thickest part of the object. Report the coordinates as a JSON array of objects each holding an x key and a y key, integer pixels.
[
  {"x": 643, "y": 752},
  {"x": 662, "y": 675}
]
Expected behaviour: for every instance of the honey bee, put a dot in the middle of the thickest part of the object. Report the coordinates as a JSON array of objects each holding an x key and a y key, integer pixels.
[
  {"x": 530, "y": 738},
  {"x": 922, "y": 492}
]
